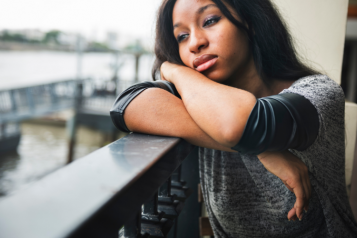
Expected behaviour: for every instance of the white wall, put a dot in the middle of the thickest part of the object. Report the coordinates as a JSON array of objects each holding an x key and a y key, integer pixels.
[
  {"x": 351, "y": 128},
  {"x": 319, "y": 29}
]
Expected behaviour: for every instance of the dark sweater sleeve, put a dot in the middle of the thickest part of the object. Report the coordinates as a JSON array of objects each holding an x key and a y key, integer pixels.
[
  {"x": 279, "y": 122},
  {"x": 123, "y": 100},
  {"x": 276, "y": 123}
]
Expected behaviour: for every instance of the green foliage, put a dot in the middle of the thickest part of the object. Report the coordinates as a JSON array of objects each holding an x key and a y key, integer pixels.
[
  {"x": 97, "y": 46},
  {"x": 135, "y": 46},
  {"x": 52, "y": 37},
  {"x": 12, "y": 37}
]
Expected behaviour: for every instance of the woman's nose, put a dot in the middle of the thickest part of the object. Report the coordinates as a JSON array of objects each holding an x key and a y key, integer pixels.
[{"x": 198, "y": 41}]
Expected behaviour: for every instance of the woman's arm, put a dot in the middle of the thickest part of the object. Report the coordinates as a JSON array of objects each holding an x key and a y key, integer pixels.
[
  {"x": 220, "y": 111},
  {"x": 158, "y": 112},
  {"x": 294, "y": 174}
]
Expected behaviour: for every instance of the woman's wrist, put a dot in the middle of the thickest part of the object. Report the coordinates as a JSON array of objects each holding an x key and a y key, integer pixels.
[{"x": 173, "y": 72}]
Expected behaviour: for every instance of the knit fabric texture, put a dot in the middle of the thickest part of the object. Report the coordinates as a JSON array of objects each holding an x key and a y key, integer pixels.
[{"x": 243, "y": 199}]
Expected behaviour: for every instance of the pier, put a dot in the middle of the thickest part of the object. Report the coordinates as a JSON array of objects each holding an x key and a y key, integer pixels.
[
  {"x": 89, "y": 99},
  {"x": 31, "y": 102}
]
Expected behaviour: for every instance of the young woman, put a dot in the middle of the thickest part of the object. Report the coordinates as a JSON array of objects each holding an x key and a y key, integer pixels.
[{"x": 270, "y": 129}]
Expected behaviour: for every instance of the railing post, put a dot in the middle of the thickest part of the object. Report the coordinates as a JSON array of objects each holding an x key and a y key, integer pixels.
[
  {"x": 72, "y": 124},
  {"x": 13, "y": 101},
  {"x": 150, "y": 207},
  {"x": 132, "y": 229},
  {"x": 165, "y": 189},
  {"x": 30, "y": 99},
  {"x": 2, "y": 130},
  {"x": 52, "y": 89},
  {"x": 178, "y": 186},
  {"x": 152, "y": 222}
]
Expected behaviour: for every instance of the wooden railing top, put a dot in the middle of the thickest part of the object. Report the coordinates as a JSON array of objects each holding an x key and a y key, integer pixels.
[{"x": 94, "y": 195}]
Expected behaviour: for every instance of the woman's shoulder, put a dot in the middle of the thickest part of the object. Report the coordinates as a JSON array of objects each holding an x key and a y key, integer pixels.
[
  {"x": 317, "y": 83},
  {"x": 320, "y": 90},
  {"x": 328, "y": 99}
]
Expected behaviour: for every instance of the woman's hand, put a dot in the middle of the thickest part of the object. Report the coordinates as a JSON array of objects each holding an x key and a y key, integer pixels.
[
  {"x": 167, "y": 71},
  {"x": 294, "y": 174}
]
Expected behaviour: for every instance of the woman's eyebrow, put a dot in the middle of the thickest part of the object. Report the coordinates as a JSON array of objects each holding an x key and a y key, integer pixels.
[
  {"x": 198, "y": 12},
  {"x": 202, "y": 9}
]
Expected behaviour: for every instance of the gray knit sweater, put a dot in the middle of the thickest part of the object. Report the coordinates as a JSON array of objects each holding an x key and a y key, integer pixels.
[{"x": 243, "y": 199}]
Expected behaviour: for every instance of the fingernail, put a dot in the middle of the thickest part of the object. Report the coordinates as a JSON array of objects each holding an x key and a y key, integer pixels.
[{"x": 299, "y": 219}]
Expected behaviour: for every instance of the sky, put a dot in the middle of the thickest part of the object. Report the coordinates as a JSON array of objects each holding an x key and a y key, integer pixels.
[{"x": 128, "y": 18}]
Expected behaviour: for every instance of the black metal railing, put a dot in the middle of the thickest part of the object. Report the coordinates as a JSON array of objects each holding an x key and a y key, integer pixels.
[{"x": 133, "y": 185}]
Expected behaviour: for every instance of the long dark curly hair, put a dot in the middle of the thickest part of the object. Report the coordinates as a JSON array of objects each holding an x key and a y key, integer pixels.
[{"x": 270, "y": 42}]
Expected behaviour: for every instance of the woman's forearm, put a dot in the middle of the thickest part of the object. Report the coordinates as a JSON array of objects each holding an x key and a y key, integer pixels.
[
  {"x": 158, "y": 112},
  {"x": 219, "y": 110}
]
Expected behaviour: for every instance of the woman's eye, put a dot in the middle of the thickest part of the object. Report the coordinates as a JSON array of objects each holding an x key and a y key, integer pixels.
[
  {"x": 181, "y": 37},
  {"x": 211, "y": 20}
]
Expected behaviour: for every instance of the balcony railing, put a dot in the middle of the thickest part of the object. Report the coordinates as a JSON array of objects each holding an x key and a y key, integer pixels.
[{"x": 133, "y": 183}]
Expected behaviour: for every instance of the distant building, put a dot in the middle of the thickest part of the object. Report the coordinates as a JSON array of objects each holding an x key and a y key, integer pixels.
[
  {"x": 112, "y": 40},
  {"x": 67, "y": 39}
]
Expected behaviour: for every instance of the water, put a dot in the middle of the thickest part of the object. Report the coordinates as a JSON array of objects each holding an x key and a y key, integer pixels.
[
  {"x": 43, "y": 148},
  {"x": 25, "y": 68}
]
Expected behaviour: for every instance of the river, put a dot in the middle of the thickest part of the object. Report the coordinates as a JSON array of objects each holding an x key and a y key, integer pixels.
[
  {"x": 25, "y": 68},
  {"x": 43, "y": 147}
]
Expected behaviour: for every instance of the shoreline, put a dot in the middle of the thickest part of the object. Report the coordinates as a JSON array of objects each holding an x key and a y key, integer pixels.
[{"x": 18, "y": 46}]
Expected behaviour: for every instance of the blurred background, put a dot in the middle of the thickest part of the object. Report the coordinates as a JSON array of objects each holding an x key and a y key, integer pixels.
[
  {"x": 45, "y": 47},
  {"x": 61, "y": 65}
]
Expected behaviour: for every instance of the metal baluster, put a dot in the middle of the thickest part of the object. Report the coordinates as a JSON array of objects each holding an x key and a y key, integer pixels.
[
  {"x": 72, "y": 124},
  {"x": 53, "y": 95},
  {"x": 30, "y": 102},
  {"x": 167, "y": 202},
  {"x": 150, "y": 207},
  {"x": 165, "y": 189},
  {"x": 178, "y": 188},
  {"x": 132, "y": 229},
  {"x": 2, "y": 130},
  {"x": 13, "y": 101},
  {"x": 152, "y": 222}
]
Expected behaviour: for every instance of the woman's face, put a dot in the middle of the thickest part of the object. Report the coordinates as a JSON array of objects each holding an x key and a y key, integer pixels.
[{"x": 209, "y": 42}]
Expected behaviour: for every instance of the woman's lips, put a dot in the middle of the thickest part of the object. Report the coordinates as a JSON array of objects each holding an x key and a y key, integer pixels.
[{"x": 204, "y": 62}]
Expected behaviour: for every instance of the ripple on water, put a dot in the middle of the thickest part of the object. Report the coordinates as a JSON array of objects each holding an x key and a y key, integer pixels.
[{"x": 42, "y": 150}]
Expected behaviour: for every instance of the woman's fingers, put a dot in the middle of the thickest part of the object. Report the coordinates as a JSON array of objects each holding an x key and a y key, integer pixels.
[
  {"x": 301, "y": 187},
  {"x": 307, "y": 189},
  {"x": 300, "y": 201},
  {"x": 303, "y": 193},
  {"x": 294, "y": 174},
  {"x": 291, "y": 214}
]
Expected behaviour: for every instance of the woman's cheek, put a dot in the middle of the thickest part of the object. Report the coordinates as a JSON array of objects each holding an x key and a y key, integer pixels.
[{"x": 183, "y": 53}]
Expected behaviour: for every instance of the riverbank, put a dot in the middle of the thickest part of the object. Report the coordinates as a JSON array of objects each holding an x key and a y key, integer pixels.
[{"x": 17, "y": 46}]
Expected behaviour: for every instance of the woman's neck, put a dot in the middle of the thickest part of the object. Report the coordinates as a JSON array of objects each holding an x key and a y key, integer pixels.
[
  {"x": 251, "y": 81},
  {"x": 260, "y": 89}
]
